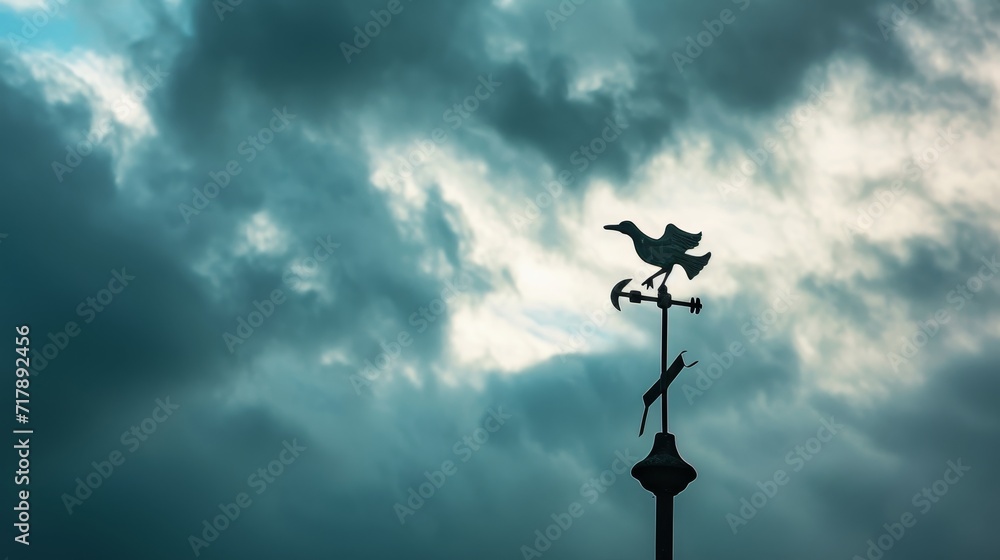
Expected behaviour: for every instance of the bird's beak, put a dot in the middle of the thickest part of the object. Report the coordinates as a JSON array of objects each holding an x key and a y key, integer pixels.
[{"x": 612, "y": 227}]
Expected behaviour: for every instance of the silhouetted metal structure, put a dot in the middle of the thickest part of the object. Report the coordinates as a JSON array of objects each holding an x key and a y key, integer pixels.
[{"x": 663, "y": 472}]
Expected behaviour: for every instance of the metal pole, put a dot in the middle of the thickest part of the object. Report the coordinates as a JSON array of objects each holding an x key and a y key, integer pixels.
[
  {"x": 664, "y": 528},
  {"x": 664, "y": 303},
  {"x": 664, "y": 504}
]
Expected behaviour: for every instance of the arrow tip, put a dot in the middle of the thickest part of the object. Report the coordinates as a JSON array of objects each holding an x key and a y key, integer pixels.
[{"x": 617, "y": 292}]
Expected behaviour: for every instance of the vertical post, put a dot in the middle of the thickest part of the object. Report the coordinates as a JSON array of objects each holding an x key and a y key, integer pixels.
[
  {"x": 665, "y": 503},
  {"x": 664, "y": 528},
  {"x": 663, "y": 303}
]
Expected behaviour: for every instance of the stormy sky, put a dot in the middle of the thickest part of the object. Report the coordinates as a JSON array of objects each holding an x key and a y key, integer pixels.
[{"x": 330, "y": 279}]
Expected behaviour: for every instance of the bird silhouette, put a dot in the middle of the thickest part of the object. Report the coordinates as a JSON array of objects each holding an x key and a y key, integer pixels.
[{"x": 666, "y": 251}]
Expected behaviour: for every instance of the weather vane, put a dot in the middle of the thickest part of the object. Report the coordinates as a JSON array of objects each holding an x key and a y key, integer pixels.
[{"x": 663, "y": 472}]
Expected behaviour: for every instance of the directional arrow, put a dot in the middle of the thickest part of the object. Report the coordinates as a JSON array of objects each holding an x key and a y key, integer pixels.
[
  {"x": 635, "y": 296},
  {"x": 660, "y": 386}
]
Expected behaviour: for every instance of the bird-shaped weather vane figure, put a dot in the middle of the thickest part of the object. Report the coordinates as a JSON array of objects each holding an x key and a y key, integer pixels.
[
  {"x": 666, "y": 251},
  {"x": 663, "y": 472}
]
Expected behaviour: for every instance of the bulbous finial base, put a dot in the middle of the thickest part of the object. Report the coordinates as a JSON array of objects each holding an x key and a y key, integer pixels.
[{"x": 663, "y": 472}]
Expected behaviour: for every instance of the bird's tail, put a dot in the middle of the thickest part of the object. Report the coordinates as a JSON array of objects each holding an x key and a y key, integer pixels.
[{"x": 692, "y": 265}]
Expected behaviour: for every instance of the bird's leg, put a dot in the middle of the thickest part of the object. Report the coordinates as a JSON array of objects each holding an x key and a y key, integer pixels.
[
  {"x": 649, "y": 281},
  {"x": 664, "y": 283}
]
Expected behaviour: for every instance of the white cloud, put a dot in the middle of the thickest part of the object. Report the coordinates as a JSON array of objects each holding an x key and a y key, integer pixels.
[
  {"x": 24, "y": 5},
  {"x": 261, "y": 235}
]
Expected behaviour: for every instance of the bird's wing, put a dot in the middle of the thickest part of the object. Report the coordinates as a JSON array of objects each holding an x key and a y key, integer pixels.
[{"x": 677, "y": 236}]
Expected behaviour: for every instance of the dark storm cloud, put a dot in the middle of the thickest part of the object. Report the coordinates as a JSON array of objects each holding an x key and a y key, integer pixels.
[
  {"x": 425, "y": 60},
  {"x": 69, "y": 239},
  {"x": 935, "y": 273},
  {"x": 162, "y": 336},
  {"x": 65, "y": 241},
  {"x": 291, "y": 53},
  {"x": 908, "y": 440},
  {"x": 163, "y": 331},
  {"x": 761, "y": 58}
]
